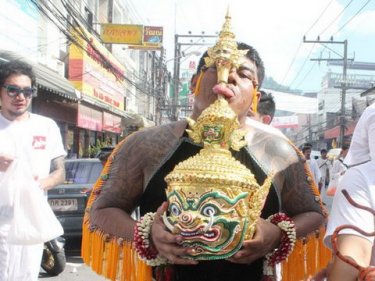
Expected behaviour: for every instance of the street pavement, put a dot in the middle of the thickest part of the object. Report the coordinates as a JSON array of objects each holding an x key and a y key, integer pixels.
[{"x": 75, "y": 269}]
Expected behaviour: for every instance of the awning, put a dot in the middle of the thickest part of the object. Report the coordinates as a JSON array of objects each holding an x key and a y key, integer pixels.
[
  {"x": 294, "y": 103},
  {"x": 45, "y": 77},
  {"x": 335, "y": 131}
]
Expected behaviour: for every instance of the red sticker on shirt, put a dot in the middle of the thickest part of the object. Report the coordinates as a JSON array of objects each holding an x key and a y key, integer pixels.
[{"x": 39, "y": 142}]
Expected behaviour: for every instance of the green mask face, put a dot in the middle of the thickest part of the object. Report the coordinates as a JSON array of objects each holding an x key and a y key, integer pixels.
[{"x": 212, "y": 223}]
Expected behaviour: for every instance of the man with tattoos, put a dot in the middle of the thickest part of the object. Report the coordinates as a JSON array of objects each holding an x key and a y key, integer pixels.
[
  {"x": 136, "y": 178},
  {"x": 29, "y": 136}
]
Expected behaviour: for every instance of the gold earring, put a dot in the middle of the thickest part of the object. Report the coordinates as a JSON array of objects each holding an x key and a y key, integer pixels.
[{"x": 198, "y": 84}]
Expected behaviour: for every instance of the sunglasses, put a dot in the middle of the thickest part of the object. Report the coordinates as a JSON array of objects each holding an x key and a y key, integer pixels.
[{"x": 14, "y": 91}]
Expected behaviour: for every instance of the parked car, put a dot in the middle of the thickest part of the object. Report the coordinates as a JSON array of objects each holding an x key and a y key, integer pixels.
[{"x": 68, "y": 200}]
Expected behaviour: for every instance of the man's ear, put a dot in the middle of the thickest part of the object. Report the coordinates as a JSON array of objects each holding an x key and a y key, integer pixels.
[
  {"x": 266, "y": 119},
  {"x": 258, "y": 94},
  {"x": 255, "y": 102}
]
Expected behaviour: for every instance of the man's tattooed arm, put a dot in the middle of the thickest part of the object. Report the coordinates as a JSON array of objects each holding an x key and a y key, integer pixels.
[{"x": 56, "y": 176}]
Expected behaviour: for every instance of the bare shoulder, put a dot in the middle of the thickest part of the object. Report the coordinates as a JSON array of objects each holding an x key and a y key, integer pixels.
[
  {"x": 134, "y": 161},
  {"x": 152, "y": 142}
]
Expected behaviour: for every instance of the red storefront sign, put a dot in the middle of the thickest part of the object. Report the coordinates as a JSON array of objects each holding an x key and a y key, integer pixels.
[
  {"x": 96, "y": 72},
  {"x": 88, "y": 118},
  {"x": 111, "y": 123}
]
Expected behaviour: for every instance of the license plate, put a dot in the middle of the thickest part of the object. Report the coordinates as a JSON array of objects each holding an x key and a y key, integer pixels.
[{"x": 63, "y": 205}]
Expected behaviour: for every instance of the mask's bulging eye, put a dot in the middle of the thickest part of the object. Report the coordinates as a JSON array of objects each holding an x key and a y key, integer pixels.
[
  {"x": 174, "y": 209},
  {"x": 209, "y": 210}
]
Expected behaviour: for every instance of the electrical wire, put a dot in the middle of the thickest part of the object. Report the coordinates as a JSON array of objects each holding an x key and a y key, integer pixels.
[
  {"x": 45, "y": 9},
  {"x": 300, "y": 44},
  {"x": 354, "y": 16},
  {"x": 335, "y": 19},
  {"x": 319, "y": 17},
  {"x": 306, "y": 75},
  {"x": 302, "y": 66}
]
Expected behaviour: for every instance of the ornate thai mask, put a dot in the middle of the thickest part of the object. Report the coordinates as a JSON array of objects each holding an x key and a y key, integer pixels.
[{"x": 214, "y": 200}]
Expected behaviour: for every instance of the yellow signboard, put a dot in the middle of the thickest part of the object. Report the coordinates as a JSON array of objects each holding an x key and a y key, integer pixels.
[
  {"x": 122, "y": 33},
  {"x": 95, "y": 72}
]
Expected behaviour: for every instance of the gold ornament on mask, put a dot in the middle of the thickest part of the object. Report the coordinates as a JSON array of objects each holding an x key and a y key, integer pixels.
[{"x": 224, "y": 55}]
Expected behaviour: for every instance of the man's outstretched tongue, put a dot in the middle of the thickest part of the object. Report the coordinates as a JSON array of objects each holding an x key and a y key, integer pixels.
[{"x": 223, "y": 91}]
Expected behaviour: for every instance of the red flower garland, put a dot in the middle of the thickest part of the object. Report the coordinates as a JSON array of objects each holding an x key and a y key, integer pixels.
[
  {"x": 146, "y": 252},
  {"x": 286, "y": 246}
]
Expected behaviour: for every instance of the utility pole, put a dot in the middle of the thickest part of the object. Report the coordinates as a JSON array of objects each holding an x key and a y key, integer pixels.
[
  {"x": 177, "y": 62},
  {"x": 343, "y": 83},
  {"x": 176, "y": 75}
]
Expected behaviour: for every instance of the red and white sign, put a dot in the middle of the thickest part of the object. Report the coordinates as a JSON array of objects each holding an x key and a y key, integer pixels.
[
  {"x": 89, "y": 118},
  {"x": 285, "y": 121},
  {"x": 111, "y": 123}
]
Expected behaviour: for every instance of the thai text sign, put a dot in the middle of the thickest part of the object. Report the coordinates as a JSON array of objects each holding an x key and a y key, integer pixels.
[
  {"x": 122, "y": 33},
  {"x": 96, "y": 72},
  {"x": 89, "y": 118},
  {"x": 153, "y": 36}
]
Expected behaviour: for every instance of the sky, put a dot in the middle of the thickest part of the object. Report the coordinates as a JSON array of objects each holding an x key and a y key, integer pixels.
[{"x": 276, "y": 29}]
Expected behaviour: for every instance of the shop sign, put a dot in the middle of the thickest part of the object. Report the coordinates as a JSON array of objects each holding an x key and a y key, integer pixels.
[
  {"x": 96, "y": 72},
  {"x": 285, "y": 121},
  {"x": 153, "y": 36},
  {"x": 121, "y": 33},
  {"x": 88, "y": 118}
]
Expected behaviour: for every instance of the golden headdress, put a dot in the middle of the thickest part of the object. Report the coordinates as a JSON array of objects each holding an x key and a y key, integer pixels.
[
  {"x": 214, "y": 200},
  {"x": 224, "y": 54}
]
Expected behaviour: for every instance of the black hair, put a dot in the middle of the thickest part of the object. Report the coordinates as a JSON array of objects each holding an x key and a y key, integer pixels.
[
  {"x": 252, "y": 54},
  {"x": 201, "y": 62},
  {"x": 266, "y": 105},
  {"x": 16, "y": 67},
  {"x": 305, "y": 148},
  {"x": 307, "y": 144},
  {"x": 323, "y": 151}
]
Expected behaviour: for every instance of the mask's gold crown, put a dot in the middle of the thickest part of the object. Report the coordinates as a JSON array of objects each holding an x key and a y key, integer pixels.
[{"x": 224, "y": 55}]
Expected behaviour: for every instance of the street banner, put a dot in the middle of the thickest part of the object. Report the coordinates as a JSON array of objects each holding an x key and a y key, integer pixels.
[
  {"x": 285, "y": 121},
  {"x": 122, "y": 33}
]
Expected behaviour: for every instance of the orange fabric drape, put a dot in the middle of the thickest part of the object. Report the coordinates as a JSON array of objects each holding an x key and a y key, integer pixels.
[
  {"x": 110, "y": 256},
  {"x": 308, "y": 258}
]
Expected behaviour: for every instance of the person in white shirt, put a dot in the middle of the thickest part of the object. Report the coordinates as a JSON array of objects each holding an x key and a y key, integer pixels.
[
  {"x": 361, "y": 149},
  {"x": 314, "y": 168},
  {"x": 27, "y": 136},
  {"x": 339, "y": 167},
  {"x": 359, "y": 182},
  {"x": 325, "y": 166}
]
